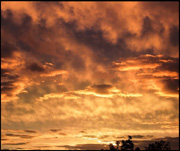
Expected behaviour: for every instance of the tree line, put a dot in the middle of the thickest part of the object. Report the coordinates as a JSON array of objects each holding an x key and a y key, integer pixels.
[{"x": 128, "y": 145}]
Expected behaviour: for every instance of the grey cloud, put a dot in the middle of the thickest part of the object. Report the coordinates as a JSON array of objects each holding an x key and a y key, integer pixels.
[
  {"x": 11, "y": 77},
  {"x": 76, "y": 61},
  {"x": 171, "y": 85},
  {"x": 102, "y": 88},
  {"x": 17, "y": 30},
  {"x": 7, "y": 49},
  {"x": 170, "y": 7},
  {"x": 8, "y": 87},
  {"x": 174, "y": 36},
  {"x": 36, "y": 67},
  {"x": 103, "y": 50},
  {"x": 34, "y": 91},
  {"x": 147, "y": 27},
  {"x": 30, "y": 37},
  {"x": 173, "y": 65},
  {"x": 30, "y": 131}
]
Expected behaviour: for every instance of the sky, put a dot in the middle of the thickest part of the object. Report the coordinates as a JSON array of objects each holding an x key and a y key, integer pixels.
[{"x": 81, "y": 75}]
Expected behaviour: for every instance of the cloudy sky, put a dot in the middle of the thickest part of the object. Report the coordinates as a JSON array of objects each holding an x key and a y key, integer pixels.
[{"x": 81, "y": 75}]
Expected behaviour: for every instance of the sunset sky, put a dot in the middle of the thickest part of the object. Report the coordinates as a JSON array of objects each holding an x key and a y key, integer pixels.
[{"x": 81, "y": 75}]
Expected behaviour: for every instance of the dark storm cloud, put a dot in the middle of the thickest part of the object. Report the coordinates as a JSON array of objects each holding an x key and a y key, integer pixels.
[
  {"x": 172, "y": 65},
  {"x": 169, "y": 7},
  {"x": 8, "y": 87},
  {"x": 76, "y": 61},
  {"x": 147, "y": 27},
  {"x": 104, "y": 51},
  {"x": 9, "y": 22},
  {"x": 10, "y": 77},
  {"x": 30, "y": 37},
  {"x": 7, "y": 49},
  {"x": 102, "y": 88},
  {"x": 171, "y": 85},
  {"x": 174, "y": 36},
  {"x": 66, "y": 53},
  {"x": 9, "y": 26},
  {"x": 35, "y": 67},
  {"x": 41, "y": 6},
  {"x": 4, "y": 72},
  {"x": 29, "y": 40},
  {"x": 93, "y": 37}
]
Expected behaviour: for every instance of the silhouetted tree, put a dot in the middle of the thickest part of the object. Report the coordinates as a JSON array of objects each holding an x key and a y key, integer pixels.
[
  {"x": 111, "y": 147},
  {"x": 117, "y": 143},
  {"x": 158, "y": 146},
  {"x": 137, "y": 149},
  {"x": 127, "y": 145}
]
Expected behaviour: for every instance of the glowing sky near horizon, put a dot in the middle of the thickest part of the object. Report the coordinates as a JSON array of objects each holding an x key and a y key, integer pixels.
[{"x": 80, "y": 75}]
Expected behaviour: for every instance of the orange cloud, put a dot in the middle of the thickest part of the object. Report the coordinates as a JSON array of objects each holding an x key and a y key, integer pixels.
[
  {"x": 65, "y": 68},
  {"x": 54, "y": 73}
]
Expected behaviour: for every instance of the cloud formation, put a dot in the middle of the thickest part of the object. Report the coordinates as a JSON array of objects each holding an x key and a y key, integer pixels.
[{"x": 62, "y": 67}]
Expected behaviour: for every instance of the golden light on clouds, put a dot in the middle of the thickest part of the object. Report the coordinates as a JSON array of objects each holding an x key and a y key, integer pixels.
[{"x": 80, "y": 75}]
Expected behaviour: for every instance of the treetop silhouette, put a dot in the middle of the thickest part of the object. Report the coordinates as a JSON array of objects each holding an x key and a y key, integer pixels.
[{"x": 127, "y": 145}]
